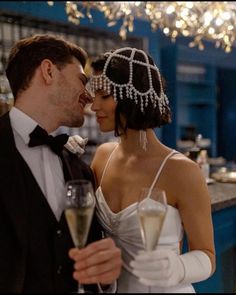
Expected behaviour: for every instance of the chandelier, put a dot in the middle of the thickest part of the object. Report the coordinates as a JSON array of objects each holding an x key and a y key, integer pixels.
[{"x": 213, "y": 21}]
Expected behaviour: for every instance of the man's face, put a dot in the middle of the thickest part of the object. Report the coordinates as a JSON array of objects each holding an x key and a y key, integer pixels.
[{"x": 71, "y": 96}]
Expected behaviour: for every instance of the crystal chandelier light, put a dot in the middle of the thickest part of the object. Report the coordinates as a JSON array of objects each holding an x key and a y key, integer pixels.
[{"x": 214, "y": 21}]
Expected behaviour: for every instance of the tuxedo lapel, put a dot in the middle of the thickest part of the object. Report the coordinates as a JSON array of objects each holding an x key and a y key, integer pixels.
[
  {"x": 80, "y": 170},
  {"x": 13, "y": 167},
  {"x": 14, "y": 205},
  {"x": 16, "y": 171},
  {"x": 12, "y": 193},
  {"x": 76, "y": 167}
]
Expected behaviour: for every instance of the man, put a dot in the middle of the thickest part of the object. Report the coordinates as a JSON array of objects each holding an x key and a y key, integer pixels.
[{"x": 36, "y": 251}]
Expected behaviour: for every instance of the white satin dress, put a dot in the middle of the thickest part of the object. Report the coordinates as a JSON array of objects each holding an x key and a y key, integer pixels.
[{"x": 123, "y": 228}]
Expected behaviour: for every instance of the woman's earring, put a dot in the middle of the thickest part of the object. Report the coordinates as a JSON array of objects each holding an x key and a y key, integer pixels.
[{"x": 143, "y": 139}]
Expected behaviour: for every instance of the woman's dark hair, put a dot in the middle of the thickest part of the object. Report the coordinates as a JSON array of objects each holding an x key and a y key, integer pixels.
[
  {"x": 118, "y": 71},
  {"x": 27, "y": 54}
]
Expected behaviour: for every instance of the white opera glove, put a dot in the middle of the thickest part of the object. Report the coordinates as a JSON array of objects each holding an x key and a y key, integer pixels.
[
  {"x": 76, "y": 144},
  {"x": 165, "y": 268}
]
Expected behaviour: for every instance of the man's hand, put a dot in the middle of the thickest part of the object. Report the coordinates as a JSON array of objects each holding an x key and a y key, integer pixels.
[{"x": 99, "y": 262}]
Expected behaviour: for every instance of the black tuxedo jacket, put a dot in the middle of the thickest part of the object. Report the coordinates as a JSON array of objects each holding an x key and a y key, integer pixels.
[{"x": 30, "y": 241}]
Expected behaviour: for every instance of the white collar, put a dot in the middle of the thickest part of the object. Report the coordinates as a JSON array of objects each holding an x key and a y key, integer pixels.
[{"x": 22, "y": 123}]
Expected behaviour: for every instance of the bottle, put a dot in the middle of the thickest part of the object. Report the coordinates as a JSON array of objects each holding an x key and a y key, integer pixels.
[
  {"x": 202, "y": 160},
  {"x": 194, "y": 152}
]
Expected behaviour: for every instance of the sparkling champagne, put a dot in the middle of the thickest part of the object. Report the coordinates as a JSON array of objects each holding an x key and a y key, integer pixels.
[
  {"x": 79, "y": 221},
  {"x": 151, "y": 222}
]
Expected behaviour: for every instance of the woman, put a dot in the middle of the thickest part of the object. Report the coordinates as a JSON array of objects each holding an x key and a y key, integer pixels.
[{"x": 130, "y": 100}]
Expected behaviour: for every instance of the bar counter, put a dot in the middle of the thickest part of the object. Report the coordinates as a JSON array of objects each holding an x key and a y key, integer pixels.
[
  {"x": 223, "y": 195},
  {"x": 223, "y": 199}
]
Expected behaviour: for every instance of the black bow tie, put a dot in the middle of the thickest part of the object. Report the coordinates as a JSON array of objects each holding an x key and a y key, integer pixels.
[{"x": 39, "y": 136}]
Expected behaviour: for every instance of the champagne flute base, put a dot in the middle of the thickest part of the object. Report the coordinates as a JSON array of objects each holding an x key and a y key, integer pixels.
[{"x": 81, "y": 289}]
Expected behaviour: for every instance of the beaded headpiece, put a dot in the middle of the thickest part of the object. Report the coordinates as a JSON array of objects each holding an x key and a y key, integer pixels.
[{"x": 103, "y": 81}]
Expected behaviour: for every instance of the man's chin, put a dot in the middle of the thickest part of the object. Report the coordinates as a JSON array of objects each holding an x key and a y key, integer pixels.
[{"x": 78, "y": 123}]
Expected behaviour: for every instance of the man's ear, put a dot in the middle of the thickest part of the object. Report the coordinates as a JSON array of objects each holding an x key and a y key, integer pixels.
[{"x": 47, "y": 68}]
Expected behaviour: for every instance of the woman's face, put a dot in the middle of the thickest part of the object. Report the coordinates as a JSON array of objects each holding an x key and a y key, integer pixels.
[{"x": 104, "y": 106}]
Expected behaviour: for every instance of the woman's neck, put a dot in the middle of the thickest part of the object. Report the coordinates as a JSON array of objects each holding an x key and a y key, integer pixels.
[{"x": 134, "y": 142}]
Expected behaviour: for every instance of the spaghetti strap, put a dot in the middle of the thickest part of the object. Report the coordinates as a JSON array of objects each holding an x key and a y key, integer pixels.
[
  {"x": 105, "y": 168},
  {"x": 161, "y": 168}
]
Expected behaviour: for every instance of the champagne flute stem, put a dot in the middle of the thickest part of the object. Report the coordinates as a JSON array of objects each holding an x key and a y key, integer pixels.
[{"x": 80, "y": 288}]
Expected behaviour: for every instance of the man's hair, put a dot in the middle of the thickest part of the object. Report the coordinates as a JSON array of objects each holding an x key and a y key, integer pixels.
[
  {"x": 118, "y": 70},
  {"x": 27, "y": 54}
]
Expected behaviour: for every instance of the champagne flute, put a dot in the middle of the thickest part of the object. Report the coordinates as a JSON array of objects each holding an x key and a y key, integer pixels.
[
  {"x": 152, "y": 208},
  {"x": 80, "y": 203}
]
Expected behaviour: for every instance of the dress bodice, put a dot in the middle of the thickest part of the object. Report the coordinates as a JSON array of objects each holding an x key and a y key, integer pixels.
[{"x": 123, "y": 227}]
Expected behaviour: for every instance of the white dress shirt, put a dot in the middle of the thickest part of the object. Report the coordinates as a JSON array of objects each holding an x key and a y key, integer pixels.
[{"x": 44, "y": 164}]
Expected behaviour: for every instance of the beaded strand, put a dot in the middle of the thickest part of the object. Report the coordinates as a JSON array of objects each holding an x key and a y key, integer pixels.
[{"x": 102, "y": 81}]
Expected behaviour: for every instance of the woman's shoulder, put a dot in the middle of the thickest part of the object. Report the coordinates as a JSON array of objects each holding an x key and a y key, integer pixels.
[
  {"x": 183, "y": 167},
  {"x": 180, "y": 159},
  {"x": 185, "y": 180},
  {"x": 101, "y": 157},
  {"x": 103, "y": 151},
  {"x": 106, "y": 148}
]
